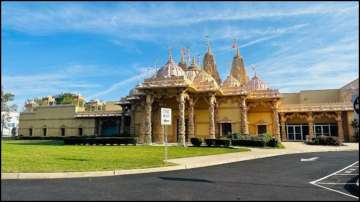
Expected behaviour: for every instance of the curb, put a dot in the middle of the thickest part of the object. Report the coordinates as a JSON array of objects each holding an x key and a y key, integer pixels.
[{"x": 12, "y": 176}]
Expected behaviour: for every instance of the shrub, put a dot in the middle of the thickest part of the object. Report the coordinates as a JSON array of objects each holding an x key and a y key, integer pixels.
[
  {"x": 196, "y": 142},
  {"x": 222, "y": 142},
  {"x": 210, "y": 142},
  {"x": 266, "y": 137},
  {"x": 324, "y": 140},
  {"x": 272, "y": 142},
  {"x": 248, "y": 142}
]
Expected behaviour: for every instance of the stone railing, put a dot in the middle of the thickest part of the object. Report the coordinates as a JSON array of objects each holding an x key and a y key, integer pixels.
[
  {"x": 339, "y": 106},
  {"x": 98, "y": 114},
  {"x": 264, "y": 94}
]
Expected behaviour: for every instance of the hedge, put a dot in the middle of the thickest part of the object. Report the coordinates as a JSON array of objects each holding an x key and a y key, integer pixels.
[
  {"x": 196, "y": 141},
  {"x": 100, "y": 141},
  {"x": 324, "y": 140}
]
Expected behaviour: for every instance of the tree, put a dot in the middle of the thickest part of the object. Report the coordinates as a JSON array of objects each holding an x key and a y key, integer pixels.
[{"x": 6, "y": 108}]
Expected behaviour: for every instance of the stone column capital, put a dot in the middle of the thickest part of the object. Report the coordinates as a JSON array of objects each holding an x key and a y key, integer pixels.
[{"x": 149, "y": 99}]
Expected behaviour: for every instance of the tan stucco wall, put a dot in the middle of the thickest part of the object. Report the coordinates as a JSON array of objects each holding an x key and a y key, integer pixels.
[{"x": 54, "y": 118}]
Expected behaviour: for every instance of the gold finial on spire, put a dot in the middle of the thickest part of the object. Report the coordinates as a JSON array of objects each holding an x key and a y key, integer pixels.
[
  {"x": 235, "y": 45},
  {"x": 208, "y": 44},
  {"x": 237, "y": 52},
  {"x": 193, "y": 61}
]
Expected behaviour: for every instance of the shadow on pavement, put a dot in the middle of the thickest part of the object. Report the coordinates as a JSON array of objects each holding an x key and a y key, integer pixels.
[{"x": 352, "y": 188}]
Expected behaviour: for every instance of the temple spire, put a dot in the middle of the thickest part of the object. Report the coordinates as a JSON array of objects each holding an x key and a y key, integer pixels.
[
  {"x": 208, "y": 44},
  {"x": 238, "y": 70},
  {"x": 193, "y": 61},
  {"x": 182, "y": 59},
  {"x": 182, "y": 62},
  {"x": 169, "y": 55},
  {"x": 237, "y": 52}
]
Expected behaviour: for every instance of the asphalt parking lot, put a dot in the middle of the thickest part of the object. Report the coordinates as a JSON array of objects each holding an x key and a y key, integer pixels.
[{"x": 319, "y": 176}]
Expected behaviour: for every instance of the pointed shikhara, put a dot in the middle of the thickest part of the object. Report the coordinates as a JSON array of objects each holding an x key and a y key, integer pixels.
[
  {"x": 210, "y": 66},
  {"x": 238, "y": 69}
]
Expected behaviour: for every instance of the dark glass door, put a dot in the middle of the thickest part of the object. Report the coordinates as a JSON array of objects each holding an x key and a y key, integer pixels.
[{"x": 226, "y": 129}]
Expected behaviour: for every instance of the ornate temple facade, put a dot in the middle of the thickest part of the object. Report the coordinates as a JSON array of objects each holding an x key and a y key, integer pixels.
[{"x": 204, "y": 106}]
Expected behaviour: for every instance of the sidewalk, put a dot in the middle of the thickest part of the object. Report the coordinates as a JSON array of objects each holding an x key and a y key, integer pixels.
[{"x": 194, "y": 162}]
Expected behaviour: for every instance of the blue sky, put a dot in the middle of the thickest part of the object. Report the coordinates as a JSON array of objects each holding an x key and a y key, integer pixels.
[{"x": 103, "y": 49}]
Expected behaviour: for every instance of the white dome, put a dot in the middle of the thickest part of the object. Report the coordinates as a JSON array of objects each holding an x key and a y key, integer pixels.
[
  {"x": 170, "y": 69},
  {"x": 256, "y": 84}
]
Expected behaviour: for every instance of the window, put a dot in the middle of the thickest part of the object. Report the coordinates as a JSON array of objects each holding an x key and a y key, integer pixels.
[
  {"x": 80, "y": 131},
  {"x": 44, "y": 131},
  {"x": 62, "y": 131},
  {"x": 261, "y": 129},
  {"x": 30, "y": 131}
]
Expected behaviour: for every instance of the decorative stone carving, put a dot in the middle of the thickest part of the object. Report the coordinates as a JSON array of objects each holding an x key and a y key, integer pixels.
[
  {"x": 182, "y": 119},
  {"x": 310, "y": 121},
  {"x": 191, "y": 118},
  {"x": 244, "y": 121},
  {"x": 276, "y": 125},
  {"x": 283, "y": 126},
  {"x": 340, "y": 127},
  {"x": 212, "y": 101},
  {"x": 149, "y": 100}
]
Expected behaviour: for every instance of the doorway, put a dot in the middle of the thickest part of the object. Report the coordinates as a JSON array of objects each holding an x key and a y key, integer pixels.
[{"x": 226, "y": 129}]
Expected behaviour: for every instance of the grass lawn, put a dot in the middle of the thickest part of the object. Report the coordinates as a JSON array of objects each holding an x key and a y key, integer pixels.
[{"x": 54, "y": 156}]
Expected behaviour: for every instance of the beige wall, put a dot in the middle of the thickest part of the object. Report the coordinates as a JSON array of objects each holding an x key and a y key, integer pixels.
[
  {"x": 54, "y": 118},
  {"x": 311, "y": 96}
]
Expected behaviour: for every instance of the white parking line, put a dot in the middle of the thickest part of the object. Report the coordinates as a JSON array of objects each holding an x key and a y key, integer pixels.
[
  {"x": 348, "y": 174},
  {"x": 333, "y": 183},
  {"x": 316, "y": 182}
]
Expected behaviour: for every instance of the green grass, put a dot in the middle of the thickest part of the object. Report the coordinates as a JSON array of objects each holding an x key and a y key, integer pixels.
[{"x": 54, "y": 156}]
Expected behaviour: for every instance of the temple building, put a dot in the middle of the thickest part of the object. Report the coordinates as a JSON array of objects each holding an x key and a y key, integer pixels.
[{"x": 202, "y": 106}]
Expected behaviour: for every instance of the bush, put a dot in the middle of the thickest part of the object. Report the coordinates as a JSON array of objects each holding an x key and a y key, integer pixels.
[
  {"x": 272, "y": 142},
  {"x": 266, "y": 137},
  {"x": 325, "y": 140},
  {"x": 222, "y": 142},
  {"x": 100, "y": 141},
  {"x": 248, "y": 142},
  {"x": 196, "y": 141},
  {"x": 210, "y": 142}
]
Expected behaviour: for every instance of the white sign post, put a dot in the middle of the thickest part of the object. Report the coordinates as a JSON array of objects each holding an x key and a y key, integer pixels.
[{"x": 165, "y": 120}]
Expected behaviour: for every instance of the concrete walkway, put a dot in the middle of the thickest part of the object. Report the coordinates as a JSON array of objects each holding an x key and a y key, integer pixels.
[{"x": 195, "y": 162}]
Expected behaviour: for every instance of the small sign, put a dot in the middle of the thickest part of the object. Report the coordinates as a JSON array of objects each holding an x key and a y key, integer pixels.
[{"x": 165, "y": 116}]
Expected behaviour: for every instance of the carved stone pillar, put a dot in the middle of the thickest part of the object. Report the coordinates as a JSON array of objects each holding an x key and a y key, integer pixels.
[
  {"x": 244, "y": 120},
  {"x": 310, "y": 121},
  {"x": 148, "y": 108},
  {"x": 181, "y": 140},
  {"x": 276, "y": 125},
  {"x": 283, "y": 127},
  {"x": 212, "y": 101},
  {"x": 340, "y": 127},
  {"x": 191, "y": 118},
  {"x": 132, "y": 120},
  {"x": 122, "y": 122}
]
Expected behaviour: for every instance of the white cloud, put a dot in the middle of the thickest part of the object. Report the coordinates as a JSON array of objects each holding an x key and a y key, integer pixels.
[{"x": 143, "y": 73}]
